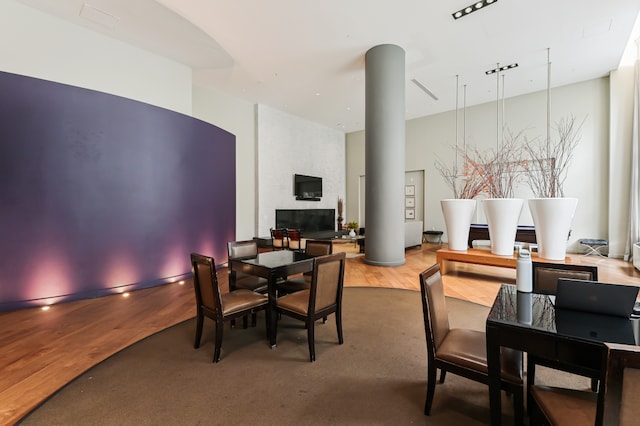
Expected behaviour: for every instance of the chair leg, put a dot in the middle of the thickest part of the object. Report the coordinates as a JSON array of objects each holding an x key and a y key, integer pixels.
[
  {"x": 311, "y": 338},
  {"x": 219, "y": 330},
  {"x": 594, "y": 385},
  {"x": 254, "y": 319},
  {"x": 339, "y": 326},
  {"x": 443, "y": 373},
  {"x": 518, "y": 406},
  {"x": 431, "y": 389},
  {"x": 199, "y": 324},
  {"x": 531, "y": 378},
  {"x": 245, "y": 322}
]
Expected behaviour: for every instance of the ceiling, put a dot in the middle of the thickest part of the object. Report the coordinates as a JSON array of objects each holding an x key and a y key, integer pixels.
[{"x": 307, "y": 57}]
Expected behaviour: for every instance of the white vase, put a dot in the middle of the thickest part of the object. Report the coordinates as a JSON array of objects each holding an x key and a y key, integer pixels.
[
  {"x": 552, "y": 218},
  {"x": 457, "y": 218},
  {"x": 502, "y": 217},
  {"x": 352, "y": 233}
]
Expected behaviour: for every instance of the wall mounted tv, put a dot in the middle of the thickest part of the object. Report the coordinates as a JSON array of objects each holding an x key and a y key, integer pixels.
[{"x": 307, "y": 187}]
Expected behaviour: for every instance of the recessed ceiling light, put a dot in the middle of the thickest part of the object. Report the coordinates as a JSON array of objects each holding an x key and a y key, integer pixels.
[{"x": 472, "y": 8}]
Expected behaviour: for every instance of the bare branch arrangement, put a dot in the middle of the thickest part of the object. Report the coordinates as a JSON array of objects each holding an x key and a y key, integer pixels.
[
  {"x": 548, "y": 161},
  {"x": 465, "y": 185},
  {"x": 499, "y": 169}
]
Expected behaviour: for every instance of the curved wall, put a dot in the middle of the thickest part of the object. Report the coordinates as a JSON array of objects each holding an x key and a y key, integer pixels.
[{"x": 100, "y": 193}]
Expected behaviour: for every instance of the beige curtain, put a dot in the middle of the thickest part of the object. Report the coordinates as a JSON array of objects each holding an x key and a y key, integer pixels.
[{"x": 634, "y": 204}]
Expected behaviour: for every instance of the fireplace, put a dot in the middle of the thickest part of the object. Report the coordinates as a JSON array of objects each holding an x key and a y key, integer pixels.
[{"x": 309, "y": 221}]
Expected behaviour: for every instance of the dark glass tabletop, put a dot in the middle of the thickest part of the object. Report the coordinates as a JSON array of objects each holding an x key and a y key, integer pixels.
[
  {"x": 537, "y": 312},
  {"x": 275, "y": 259}
]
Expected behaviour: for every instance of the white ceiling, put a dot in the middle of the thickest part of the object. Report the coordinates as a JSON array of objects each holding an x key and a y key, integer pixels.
[{"x": 306, "y": 57}]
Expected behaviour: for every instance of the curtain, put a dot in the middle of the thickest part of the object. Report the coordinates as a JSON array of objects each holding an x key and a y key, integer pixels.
[{"x": 634, "y": 207}]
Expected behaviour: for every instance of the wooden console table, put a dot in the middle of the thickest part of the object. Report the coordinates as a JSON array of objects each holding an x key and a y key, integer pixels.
[
  {"x": 480, "y": 257},
  {"x": 524, "y": 233}
]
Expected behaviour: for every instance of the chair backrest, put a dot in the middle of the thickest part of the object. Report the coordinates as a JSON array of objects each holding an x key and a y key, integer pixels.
[
  {"x": 293, "y": 234},
  {"x": 327, "y": 282},
  {"x": 278, "y": 237},
  {"x": 434, "y": 308},
  {"x": 205, "y": 283},
  {"x": 242, "y": 249},
  {"x": 319, "y": 247},
  {"x": 545, "y": 275},
  {"x": 294, "y": 237},
  {"x": 622, "y": 385}
]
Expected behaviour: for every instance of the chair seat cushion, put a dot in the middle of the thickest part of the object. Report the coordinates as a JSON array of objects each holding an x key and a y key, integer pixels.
[
  {"x": 251, "y": 282},
  {"x": 468, "y": 348},
  {"x": 296, "y": 302},
  {"x": 566, "y": 406},
  {"x": 294, "y": 284},
  {"x": 239, "y": 300}
]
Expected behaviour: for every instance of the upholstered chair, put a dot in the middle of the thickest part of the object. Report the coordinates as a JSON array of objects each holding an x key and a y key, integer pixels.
[
  {"x": 461, "y": 351},
  {"x": 279, "y": 239},
  {"x": 617, "y": 406},
  {"x": 324, "y": 297},
  {"x": 211, "y": 303},
  {"x": 313, "y": 248}
]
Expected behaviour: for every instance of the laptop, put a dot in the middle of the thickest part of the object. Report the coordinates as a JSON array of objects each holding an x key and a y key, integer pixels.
[
  {"x": 596, "y": 297},
  {"x": 602, "y": 328}
]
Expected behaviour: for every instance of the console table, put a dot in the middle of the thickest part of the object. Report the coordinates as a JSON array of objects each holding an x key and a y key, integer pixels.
[
  {"x": 481, "y": 257},
  {"x": 524, "y": 233}
]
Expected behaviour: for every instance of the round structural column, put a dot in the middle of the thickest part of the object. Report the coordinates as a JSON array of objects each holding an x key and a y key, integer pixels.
[{"x": 385, "y": 155}]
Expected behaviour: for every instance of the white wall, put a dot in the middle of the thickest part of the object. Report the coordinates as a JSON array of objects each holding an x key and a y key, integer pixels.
[
  {"x": 430, "y": 138},
  {"x": 235, "y": 116},
  {"x": 287, "y": 145},
  {"x": 36, "y": 44}
]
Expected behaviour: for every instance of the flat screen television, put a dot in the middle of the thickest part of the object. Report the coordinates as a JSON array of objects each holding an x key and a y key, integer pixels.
[{"x": 307, "y": 187}]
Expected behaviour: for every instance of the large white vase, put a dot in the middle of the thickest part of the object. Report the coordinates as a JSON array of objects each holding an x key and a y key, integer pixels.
[
  {"x": 502, "y": 217},
  {"x": 457, "y": 218},
  {"x": 552, "y": 218}
]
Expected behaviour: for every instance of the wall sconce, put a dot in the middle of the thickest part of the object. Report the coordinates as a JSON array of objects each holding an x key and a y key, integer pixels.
[{"x": 472, "y": 8}]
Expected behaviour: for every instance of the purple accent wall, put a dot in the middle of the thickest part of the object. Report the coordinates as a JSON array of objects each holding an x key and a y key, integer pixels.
[{"x": 100, "y": 192}]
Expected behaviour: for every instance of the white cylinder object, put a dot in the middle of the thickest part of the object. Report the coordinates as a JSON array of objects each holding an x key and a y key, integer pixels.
[{"x": 524, "y": 273}]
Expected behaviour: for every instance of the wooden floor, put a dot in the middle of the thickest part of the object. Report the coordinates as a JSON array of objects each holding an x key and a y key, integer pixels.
[{"x": 44, "y": 350}]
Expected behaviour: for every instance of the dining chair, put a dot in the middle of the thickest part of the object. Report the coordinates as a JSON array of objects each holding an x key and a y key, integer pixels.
[
  {"x": 618, "y": 405},
  {"x": 313, "y": 248},
  {"x": 545, "y": 275},
  {"x": 295, "y": 240},
  {"x": 279, "y": 239},
  {"x": 211, "y": 303},
  {"x": 461, "y": 351},
  {"x": 545, "y": 281},
  {"x": 324, "y": 297},
  {"x": 246, "y": 249}
]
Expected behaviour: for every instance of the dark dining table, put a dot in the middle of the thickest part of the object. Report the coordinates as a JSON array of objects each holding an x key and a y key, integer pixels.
[
  {"x": 563, "y": 339},
  {"x": 273, "y": 265}
]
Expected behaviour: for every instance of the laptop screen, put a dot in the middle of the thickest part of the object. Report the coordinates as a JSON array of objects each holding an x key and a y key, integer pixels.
[{"x": 596, "y": 297}]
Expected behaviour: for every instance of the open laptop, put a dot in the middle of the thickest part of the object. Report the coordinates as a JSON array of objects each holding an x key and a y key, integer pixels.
[{"x": 596, "y": 297}]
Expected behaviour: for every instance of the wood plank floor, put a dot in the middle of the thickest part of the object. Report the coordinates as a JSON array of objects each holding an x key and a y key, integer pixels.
[{"x": 44, "y": 350}]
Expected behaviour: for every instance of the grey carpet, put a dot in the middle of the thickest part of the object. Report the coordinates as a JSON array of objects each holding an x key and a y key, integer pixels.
[{"x": 378, "y": 377}]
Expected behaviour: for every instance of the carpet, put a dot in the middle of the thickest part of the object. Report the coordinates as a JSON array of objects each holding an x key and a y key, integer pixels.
[{"x": 377, "y": 377}]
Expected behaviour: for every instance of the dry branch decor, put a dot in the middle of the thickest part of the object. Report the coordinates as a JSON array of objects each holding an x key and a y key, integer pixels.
[
  {"x": 548, "y": 160},
  {"x": 499, "y": 169},
  {"x": 467, "y": 185}
]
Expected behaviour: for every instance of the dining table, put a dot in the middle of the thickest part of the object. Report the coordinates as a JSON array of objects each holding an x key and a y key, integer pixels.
[
  {"x": 563, "y": 339},
  {"x": 274, "y": 265}
]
